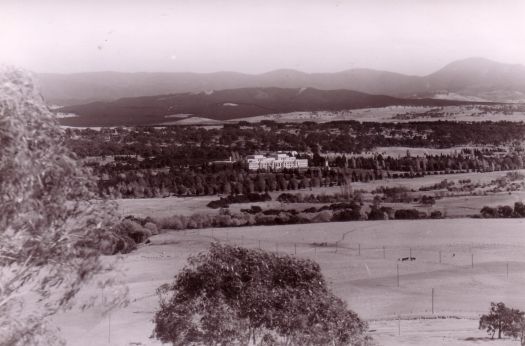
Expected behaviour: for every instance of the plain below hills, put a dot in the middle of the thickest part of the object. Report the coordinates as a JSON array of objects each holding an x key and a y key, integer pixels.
[{"x": 230, "y": 104}]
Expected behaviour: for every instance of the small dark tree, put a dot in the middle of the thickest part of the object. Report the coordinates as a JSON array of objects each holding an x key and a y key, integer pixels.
[
  {"x": 505, "y": 211},
  {"x": 235, "y": 295},
  {"x": 502, "y": 319},
  {"x": 488, "y": 212},
  {"x": 376, "y": 213},
  {"x": 519, "y": 209}
]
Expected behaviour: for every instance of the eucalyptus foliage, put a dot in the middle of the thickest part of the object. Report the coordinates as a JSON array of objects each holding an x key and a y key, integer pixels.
[
  {"x": 52, "y": 229},
  {"x": 504, "y": 320},
  {"x": 233, "y": 295}
]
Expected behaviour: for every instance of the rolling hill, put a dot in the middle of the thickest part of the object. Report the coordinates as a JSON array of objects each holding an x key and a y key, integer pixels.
[
  {"x": 473, "y": 78},
  {"x": 229, "y": 104}
]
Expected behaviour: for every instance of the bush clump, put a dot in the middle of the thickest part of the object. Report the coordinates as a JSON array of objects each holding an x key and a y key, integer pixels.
[{"x": 232, "y": 295}]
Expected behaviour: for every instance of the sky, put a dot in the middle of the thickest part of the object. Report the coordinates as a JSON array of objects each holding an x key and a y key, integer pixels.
[{"x": 408, "y": 36}]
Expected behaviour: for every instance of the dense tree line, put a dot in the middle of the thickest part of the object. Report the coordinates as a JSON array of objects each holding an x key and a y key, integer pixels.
[
  {"x": 233, "y": 182},
  {"x": 158, "y": 162},
  {"x": 194, "y": 144},
  {"x": 127, "y": 182}
]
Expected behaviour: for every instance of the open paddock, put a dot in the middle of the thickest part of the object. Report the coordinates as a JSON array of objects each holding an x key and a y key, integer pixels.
[
  {"x": 454, "y": 206},
  {"x": 397, "y": 114},
  {"x": 481, "y": 261}
]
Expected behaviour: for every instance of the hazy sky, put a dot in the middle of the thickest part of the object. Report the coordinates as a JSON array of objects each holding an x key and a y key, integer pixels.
[{"x": 408, "y": 36}]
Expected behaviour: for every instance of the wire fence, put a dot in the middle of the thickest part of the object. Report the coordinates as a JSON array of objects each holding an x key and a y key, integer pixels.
[{"x": 400, "y": 266}]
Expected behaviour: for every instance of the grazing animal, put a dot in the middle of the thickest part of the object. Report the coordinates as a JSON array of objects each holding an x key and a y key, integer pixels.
[{"x": 406, "y": 259}]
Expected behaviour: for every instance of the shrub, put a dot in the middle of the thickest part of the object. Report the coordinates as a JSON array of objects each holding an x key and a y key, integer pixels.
[
  {"x": 519, "y": 209},
  {"x": 233, "y": 295},
  {"x": 323, "y": 216},
  {"x": 254, "y": 209},
  {"x": 376, "y": 213},
  {"x": 406, "y": 214},
  {"x": 488, "y": 212},
  {"x": 247, "y": 198},
  {"x": 152, "y": 228},
  {"x": 133, "y": 230},
  {"x": 436, "y": 214},
  {"x": 347, "y": 215}
]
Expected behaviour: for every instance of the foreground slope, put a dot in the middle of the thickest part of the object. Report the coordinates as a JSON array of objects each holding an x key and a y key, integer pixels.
[{"x": 359, "y": 270}]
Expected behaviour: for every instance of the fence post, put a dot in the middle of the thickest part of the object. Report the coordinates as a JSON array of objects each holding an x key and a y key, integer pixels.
[
  {"x": 398, "y": 325},
  {"x": 398, "y": 275},
  {"x": 472, "y": 256},
  {"x": 432, "y": 301},
  {"x": 359, "y": 249},
  {"x": 259, "y": 244},
  {"x": 384, "y": 252},
  {"x": 410, "y": 251},
  {"x": 295, "y": 249},
  {"x": 109, "y": 328},
  {"x": 440, "y": 257}
]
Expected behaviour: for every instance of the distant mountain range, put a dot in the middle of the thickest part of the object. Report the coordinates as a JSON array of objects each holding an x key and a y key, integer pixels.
[
  {"x": 229, "y": 104},
  {"x": 473, "y": 79}
]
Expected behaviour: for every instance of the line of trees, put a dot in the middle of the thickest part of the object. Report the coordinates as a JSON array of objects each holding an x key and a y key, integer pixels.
[
  {"x": 182, "y": 143},
  {"x": 234, "y": 180},
  {"x": 504, "y": 211}
]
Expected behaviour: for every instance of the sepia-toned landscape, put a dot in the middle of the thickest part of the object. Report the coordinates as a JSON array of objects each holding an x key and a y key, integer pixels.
[{"x": 262, "y": 173}]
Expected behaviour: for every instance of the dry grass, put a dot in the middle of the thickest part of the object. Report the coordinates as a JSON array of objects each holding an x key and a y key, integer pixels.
[{"x": 356, "y": 270}]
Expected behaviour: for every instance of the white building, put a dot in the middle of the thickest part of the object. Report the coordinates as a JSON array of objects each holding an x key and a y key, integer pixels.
[{"x": 275, "y": 162}]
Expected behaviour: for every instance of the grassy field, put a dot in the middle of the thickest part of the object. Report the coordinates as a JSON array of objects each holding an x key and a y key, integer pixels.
[
  {"x": 360, "y": 263},
  {"x": 388, "y": 114},
  {"x": 450, "y": 206}
]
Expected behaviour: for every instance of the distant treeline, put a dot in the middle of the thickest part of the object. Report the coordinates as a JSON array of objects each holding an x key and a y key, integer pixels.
[
  {"x": 255, "y": 216},
  {"x": 135, "y": 230},
  {"x": 194, "y": 145}
]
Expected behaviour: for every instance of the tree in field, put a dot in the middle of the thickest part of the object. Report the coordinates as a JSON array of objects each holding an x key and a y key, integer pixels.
[
  {"x": 503, "y": 320},
  {"x": 233, "y": 295},
  {"x": 51, "y": 230}
]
